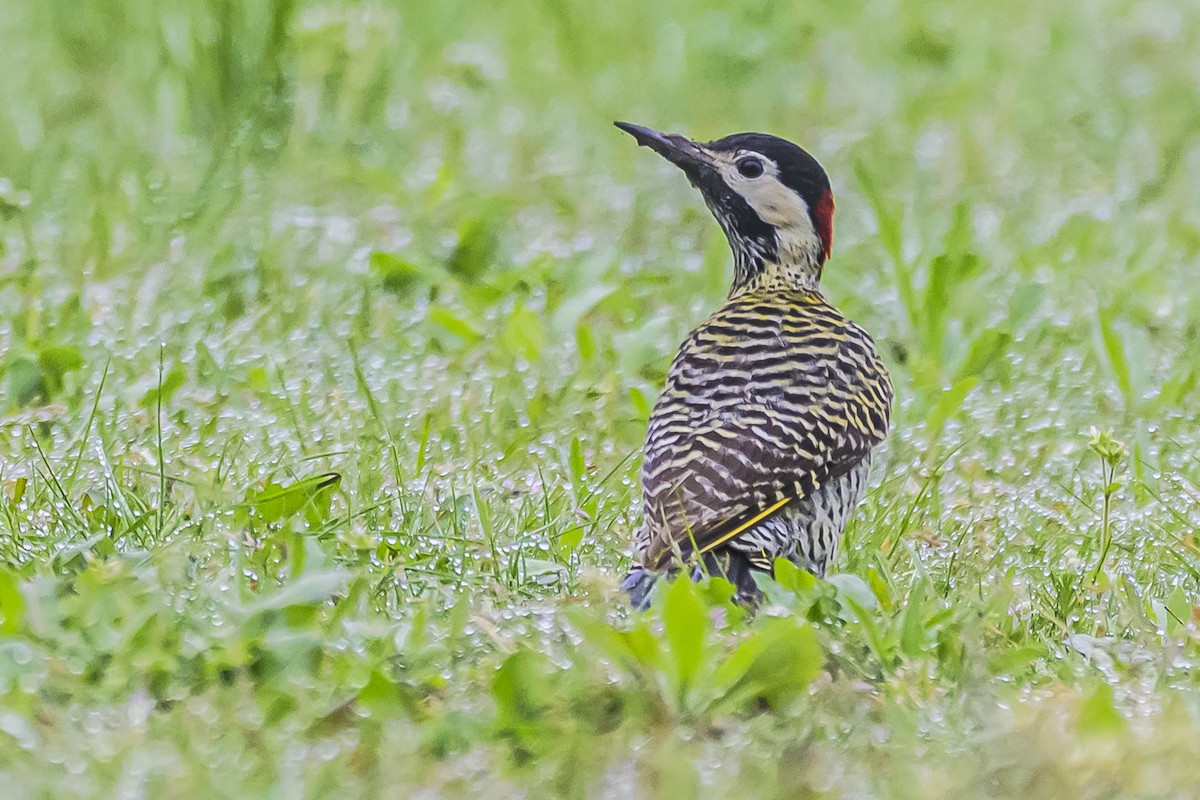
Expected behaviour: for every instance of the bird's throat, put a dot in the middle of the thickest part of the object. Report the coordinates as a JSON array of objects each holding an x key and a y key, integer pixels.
[{"x": 788, "y": 270}]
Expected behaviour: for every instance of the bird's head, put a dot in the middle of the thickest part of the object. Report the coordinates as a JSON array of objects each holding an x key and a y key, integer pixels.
[{"x": 771, "y": 198}]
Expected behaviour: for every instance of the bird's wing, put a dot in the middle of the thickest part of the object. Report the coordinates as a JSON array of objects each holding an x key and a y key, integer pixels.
[{"x": 750, "y": 424}]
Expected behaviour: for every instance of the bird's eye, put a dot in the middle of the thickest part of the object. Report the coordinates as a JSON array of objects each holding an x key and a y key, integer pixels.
[{"x": 750, "y": 167}]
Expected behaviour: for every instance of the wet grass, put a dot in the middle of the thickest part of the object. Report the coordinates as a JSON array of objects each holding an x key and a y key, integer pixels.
[{"x": 328, "y": 334}]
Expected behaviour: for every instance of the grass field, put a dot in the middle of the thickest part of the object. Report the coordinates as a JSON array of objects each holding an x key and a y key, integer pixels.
[{"x": 328, "y": 334}]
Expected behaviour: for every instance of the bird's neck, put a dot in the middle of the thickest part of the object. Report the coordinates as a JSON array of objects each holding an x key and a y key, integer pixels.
[
  {"x": 754, "y": 272},
  {"x": 789, "y": 257}
]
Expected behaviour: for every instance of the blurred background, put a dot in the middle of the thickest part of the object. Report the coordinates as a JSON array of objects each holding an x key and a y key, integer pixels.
[
  {"x": 309, "y": 158},
  {"x": 370, "y": 300}
]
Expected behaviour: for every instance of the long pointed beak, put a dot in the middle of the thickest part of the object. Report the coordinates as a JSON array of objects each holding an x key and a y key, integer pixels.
[{"x": 679, "y": 150}]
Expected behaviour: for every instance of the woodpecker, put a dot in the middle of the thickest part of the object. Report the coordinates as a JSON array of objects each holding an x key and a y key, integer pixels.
[{"x": 759, "y": 445}]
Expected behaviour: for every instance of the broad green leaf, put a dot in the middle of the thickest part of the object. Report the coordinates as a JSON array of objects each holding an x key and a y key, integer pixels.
[
  {"x": 542, "y": 571},
  {"x": 1179, "y": 608},
  {"x": 986, "y": 350},
  {"x": 476, "y": 249},
  {"x": 640, "y": 404},
  {"x": 12, "y": 604},
  {"x": 460, "y": 615},
  {"x": 880, "y": 588},
  {"x": 171, "y": 383},
  {"x": 913, "y": 639},
  {"x": 71, "y": 556},
  {"x": 397, "y": 274},
  {"x": 854, "y": 587},
  {"x": 948, "y": 405},
  {"x": 380, "y": 694},
  {"x": 25, "y": 384},
  {"x": 569, "y": 540},
  {"x": 518, "y": 687},
  {"x": 716, "y": 592},
  {"x": 1098, "y": 715},
  {"x": 570, "y": 312},
  {"x": 937, "y": 301},
  {"x": 685, "y": 624},
  {"x": 312, "y": 588},
  {"x": 1024, "y": 301},
  {"x": 776, "y": 661},
  {"x": 1013, "y": 661},
  {"x": 523, "y": 334},
  {"x": 794, "y": 578},
  {"x": 275, "y": 502},
  {"x": 959, "y": 241},
  {"x": 585, "y": 342},
  {"x": 453, "y": 324},
  {"x": 637, "y": 648},
  {"x": 1114, "y": 350},
  {"x": 576, "y": 461},
  {"x": 55, "y": 362}
]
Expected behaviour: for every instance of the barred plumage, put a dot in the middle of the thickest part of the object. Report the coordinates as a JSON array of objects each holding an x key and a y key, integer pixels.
[{"x": 760, "y": 443}]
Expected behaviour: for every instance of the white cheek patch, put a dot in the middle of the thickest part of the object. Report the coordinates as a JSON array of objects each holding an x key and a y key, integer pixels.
[
  {"x": 779, "y": 206},
  {"x": 775, "y": 203}
]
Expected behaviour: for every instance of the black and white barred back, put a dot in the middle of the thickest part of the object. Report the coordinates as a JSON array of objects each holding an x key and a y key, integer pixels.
[{"x": 771, "y": 408}]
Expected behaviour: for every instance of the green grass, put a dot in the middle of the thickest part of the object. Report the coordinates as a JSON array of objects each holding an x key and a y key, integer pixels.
[{"x": 328, "y": 333}]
